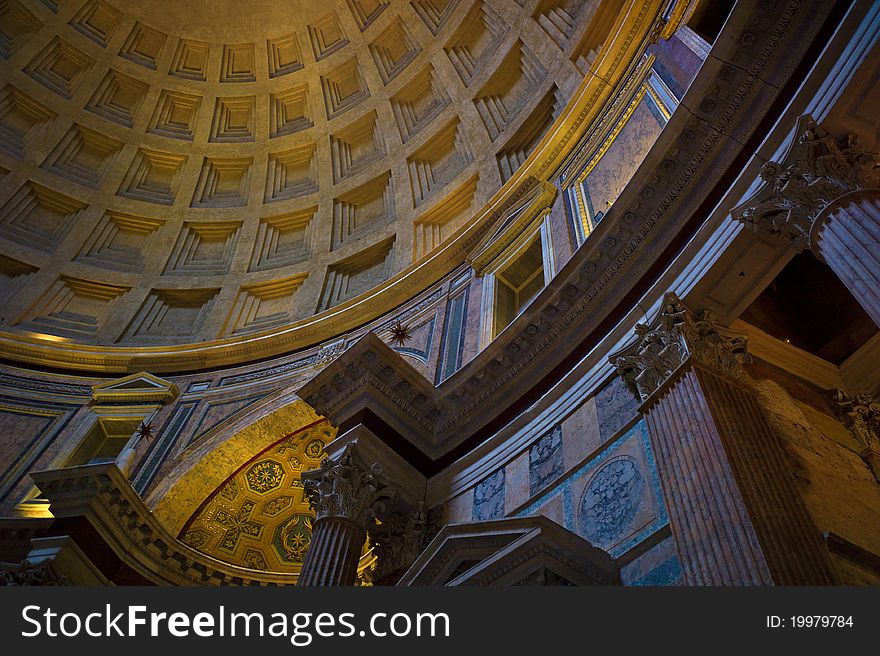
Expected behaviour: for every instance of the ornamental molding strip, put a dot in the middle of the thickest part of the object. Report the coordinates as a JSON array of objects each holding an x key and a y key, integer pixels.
[
  {"x": 816, "y": 170},
  {"x": 674, "y": 338},
  {"x": 348, "y": 488}
]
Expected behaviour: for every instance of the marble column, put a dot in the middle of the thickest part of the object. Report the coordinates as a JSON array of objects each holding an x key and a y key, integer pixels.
[
  {"x": 345, "y": 495},
  {"x": 825, "y": 195},
  {"x": 733, "y": 507},
  {"x": 846, "y": 236}
]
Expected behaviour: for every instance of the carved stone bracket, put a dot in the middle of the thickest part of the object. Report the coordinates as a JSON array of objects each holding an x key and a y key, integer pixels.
[
  {"x": 347, "y": 488},
  {"x": 672, "y": 338},
  {"x": 815, "y": 171},
  {"x": 861, "y": 415}
]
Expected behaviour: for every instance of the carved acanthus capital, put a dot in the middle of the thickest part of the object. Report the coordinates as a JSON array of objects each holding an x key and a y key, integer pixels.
[
  {"x": 348, "y": 488},
  {"x": 861, "y": 415},
  {"x": 27, "y": 573},
  {"x": 815, "y": 171},
  {"x": 397, "y": 541},
  {"x": 676, "y": 335}
]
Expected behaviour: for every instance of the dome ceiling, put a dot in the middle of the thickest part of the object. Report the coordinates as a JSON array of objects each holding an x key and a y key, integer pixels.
[{"x": 172, "y": 173}]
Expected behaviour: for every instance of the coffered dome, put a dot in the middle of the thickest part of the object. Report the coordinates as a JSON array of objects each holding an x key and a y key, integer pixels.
[{"x": 175, "y": 173}]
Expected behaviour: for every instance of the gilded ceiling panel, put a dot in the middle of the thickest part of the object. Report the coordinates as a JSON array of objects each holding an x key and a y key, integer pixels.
[{"x": 258, "y": 518}]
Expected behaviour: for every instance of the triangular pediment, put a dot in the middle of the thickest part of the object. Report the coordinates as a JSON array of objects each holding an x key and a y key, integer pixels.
[
  {"x": 141, "y": 387},
  {"x": 510, "y": 551}
]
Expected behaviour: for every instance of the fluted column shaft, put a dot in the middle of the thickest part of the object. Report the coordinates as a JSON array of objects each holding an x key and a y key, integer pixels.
[
  {"x": 733, "y": 508},
  {"x": 825, "y": 193},
  {"x": 345, "y": 494},
  {"x": 333, "y": 554},
  {"x": 847, "y": 238}
]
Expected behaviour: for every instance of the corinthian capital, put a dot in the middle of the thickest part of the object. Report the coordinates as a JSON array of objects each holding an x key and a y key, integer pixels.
[
  {"x": 674, "y": 336},
  {"x": 348, "y": 488},
  {"x": 27, "y": 573},
  {"x": 815, "y": 171},
  {"x": 397, "y": 541},
  {"x": 861, "y": 415}
]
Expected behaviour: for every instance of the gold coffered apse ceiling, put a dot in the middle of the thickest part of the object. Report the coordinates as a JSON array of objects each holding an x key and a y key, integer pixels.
[
  {"x": 258, "y": 518},
  {"x": 181, "y": 173}
]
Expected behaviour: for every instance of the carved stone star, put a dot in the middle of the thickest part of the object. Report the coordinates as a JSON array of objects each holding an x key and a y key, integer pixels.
[
  {"x": 145, "y": 431},
  {"x": 400, "y": 334}
]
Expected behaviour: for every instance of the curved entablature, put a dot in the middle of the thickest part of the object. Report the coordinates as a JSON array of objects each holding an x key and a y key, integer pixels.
[
  {"x": 127, "y": 545},
  {"x": 656, "y": 212},
  {"x": 173, "y": 203}
]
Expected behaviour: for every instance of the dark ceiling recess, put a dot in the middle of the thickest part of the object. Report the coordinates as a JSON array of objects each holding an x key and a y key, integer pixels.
[
  {"x": 808, "y": 306},
  {"x": 708, "y": 18}
]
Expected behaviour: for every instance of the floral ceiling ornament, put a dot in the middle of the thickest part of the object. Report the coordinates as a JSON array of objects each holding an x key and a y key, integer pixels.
[
  {"x": 292, "y": 538},
  {"x": 145, "y": 431},
  {"x": 265, "y": 476},
  {"x": 815, "y": 171}
]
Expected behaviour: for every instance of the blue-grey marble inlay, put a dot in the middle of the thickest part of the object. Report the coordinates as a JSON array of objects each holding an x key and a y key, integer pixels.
[
  {"x": 545, "y": 460},
  {"x": 611, "y": 501},
  {"x": 161, "y": 448},
  {"x": 571, "y": 501},
  {"x": 489, "y": 497},
  {"x": 452, "y": 346},
  {"x": 616, "y": 407},
  {"x": 666, "y": 573}
]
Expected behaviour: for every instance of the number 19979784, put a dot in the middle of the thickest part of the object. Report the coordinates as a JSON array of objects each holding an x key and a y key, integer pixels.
[{"x": 810, "y": 622}]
